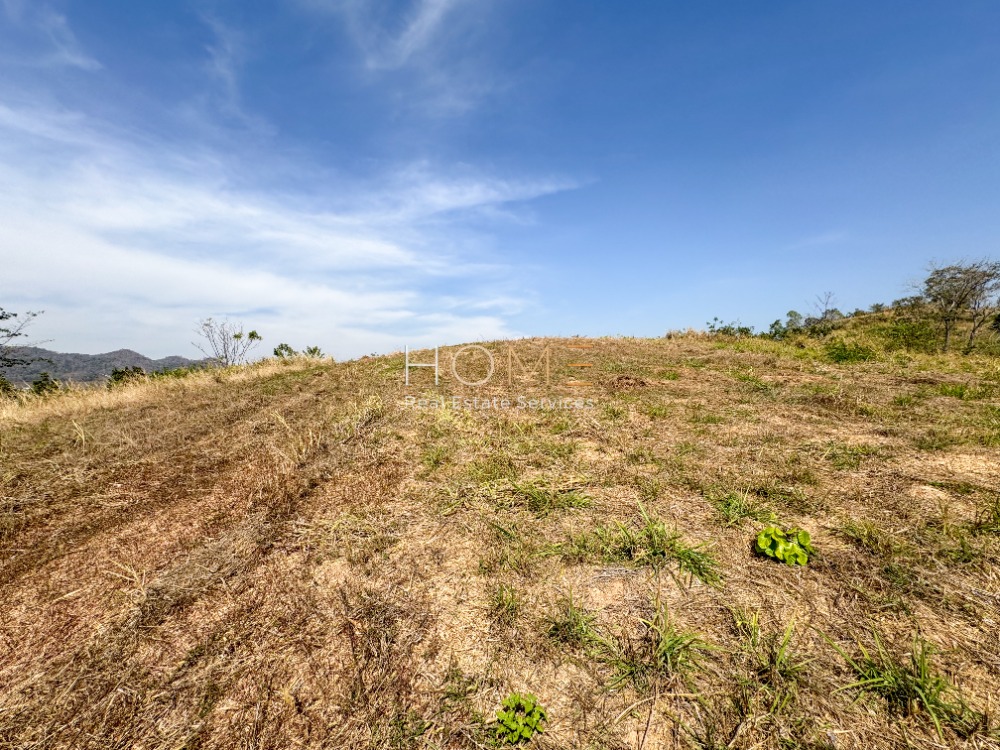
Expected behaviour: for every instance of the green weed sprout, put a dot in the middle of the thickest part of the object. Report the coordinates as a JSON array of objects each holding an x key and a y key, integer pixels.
[
  {"x": 520, "y": 718},
  {"x": 791, "y": 547}
]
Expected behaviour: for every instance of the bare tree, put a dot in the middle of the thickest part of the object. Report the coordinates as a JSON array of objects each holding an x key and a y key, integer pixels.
[
  {"x": 10, "y": 331},
  {"x": 826, "y": 315},
  {"x": 984, "y": 304},
  {"x": 962, "y": 291},
  {"x": 224, "y": 342},
  {"x": 824, "y": 305}
]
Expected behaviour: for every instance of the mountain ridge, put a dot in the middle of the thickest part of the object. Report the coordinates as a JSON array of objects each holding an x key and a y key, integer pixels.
[{"x": 85, "y": 368}]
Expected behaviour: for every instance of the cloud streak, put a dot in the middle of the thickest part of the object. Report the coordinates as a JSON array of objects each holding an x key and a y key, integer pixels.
[
  {"x": 394, "y": 52},
  {"x": 129, "y": 246},
  {"x": 48, "y": 35},
  {"x": 819, "y": 240},
  {"x": 389, "y": 46},
  {"x": 432, "y": 46}
]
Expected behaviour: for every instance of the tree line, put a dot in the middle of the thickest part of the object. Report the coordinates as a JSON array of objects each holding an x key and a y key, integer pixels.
[{"x": 959, "y": 295}]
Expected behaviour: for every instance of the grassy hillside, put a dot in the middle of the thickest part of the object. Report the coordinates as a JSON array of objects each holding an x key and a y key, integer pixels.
[{"x": 294, "y": 555}]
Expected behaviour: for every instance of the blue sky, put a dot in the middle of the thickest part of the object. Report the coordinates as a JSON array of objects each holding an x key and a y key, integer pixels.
[{"x": 364, "y": 175}]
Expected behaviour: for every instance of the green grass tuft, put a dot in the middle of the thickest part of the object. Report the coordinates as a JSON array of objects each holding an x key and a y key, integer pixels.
[
  {"x": 650, "y": 542},
  {"x": 912, "y": 686},
  {"x": 569, "y": 624},
  {"x": 660, "y": 652},
  {"x": 734, "y": 507},
  {"x": 541, "y": 498},
  {"x": 849, "y": 457},
  {"x": 869, "y": 537},
  {"x": 504, "y": 605}
]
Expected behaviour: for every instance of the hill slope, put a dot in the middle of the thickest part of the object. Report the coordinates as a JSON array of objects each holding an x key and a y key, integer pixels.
[
  {"x": 298, "y": 554},
  {"x": 84, "y": 368}
]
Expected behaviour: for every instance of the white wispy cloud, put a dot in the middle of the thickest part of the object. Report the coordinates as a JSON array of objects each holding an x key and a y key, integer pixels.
[
  {"x": 418, "y": 33},
  {"x": 52, "y": 41},
  {"x": 418, "y": 191},
  {"x": 819, "y": 240},
  {"x": 435, "y": 44},
  {"x": 127, "y": 243},
  {"x": 225, "y": 58},
  {"x": 387, "y": 39}
]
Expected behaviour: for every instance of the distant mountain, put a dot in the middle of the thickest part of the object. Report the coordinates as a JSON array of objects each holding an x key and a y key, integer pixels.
[{"x": 84, "y": 368}]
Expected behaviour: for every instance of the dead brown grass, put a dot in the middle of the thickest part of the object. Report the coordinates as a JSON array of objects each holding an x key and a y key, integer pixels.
[{"x": 289, "y": 555}]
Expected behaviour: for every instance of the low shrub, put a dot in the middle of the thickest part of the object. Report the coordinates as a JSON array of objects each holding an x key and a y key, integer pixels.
[
  {"x": 7, "y": 389},
  {"x": 843, "y": 352},
  {"x": 178, "y": 372},
  {"x": 44, "y": 384},
  {"x": 125, "y": 376}
]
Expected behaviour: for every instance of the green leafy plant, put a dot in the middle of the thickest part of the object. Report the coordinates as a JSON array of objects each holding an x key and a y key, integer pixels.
[
  {"x": 791, "y": 547},
  {"x": 283, "y": 351},
  {"x": 520, "y": 718}
]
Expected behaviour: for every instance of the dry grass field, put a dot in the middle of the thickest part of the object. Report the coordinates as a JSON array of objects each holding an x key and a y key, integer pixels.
[{"x": 292, "y": 555}]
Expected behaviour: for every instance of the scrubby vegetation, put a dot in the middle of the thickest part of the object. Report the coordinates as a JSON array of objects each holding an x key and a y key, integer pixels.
[
  {"x": 125, "y": 375},
  {"x": 44, "y": 384},
  {"x": 958, "y": 301},
  {"x": 289, "y": 554}
]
